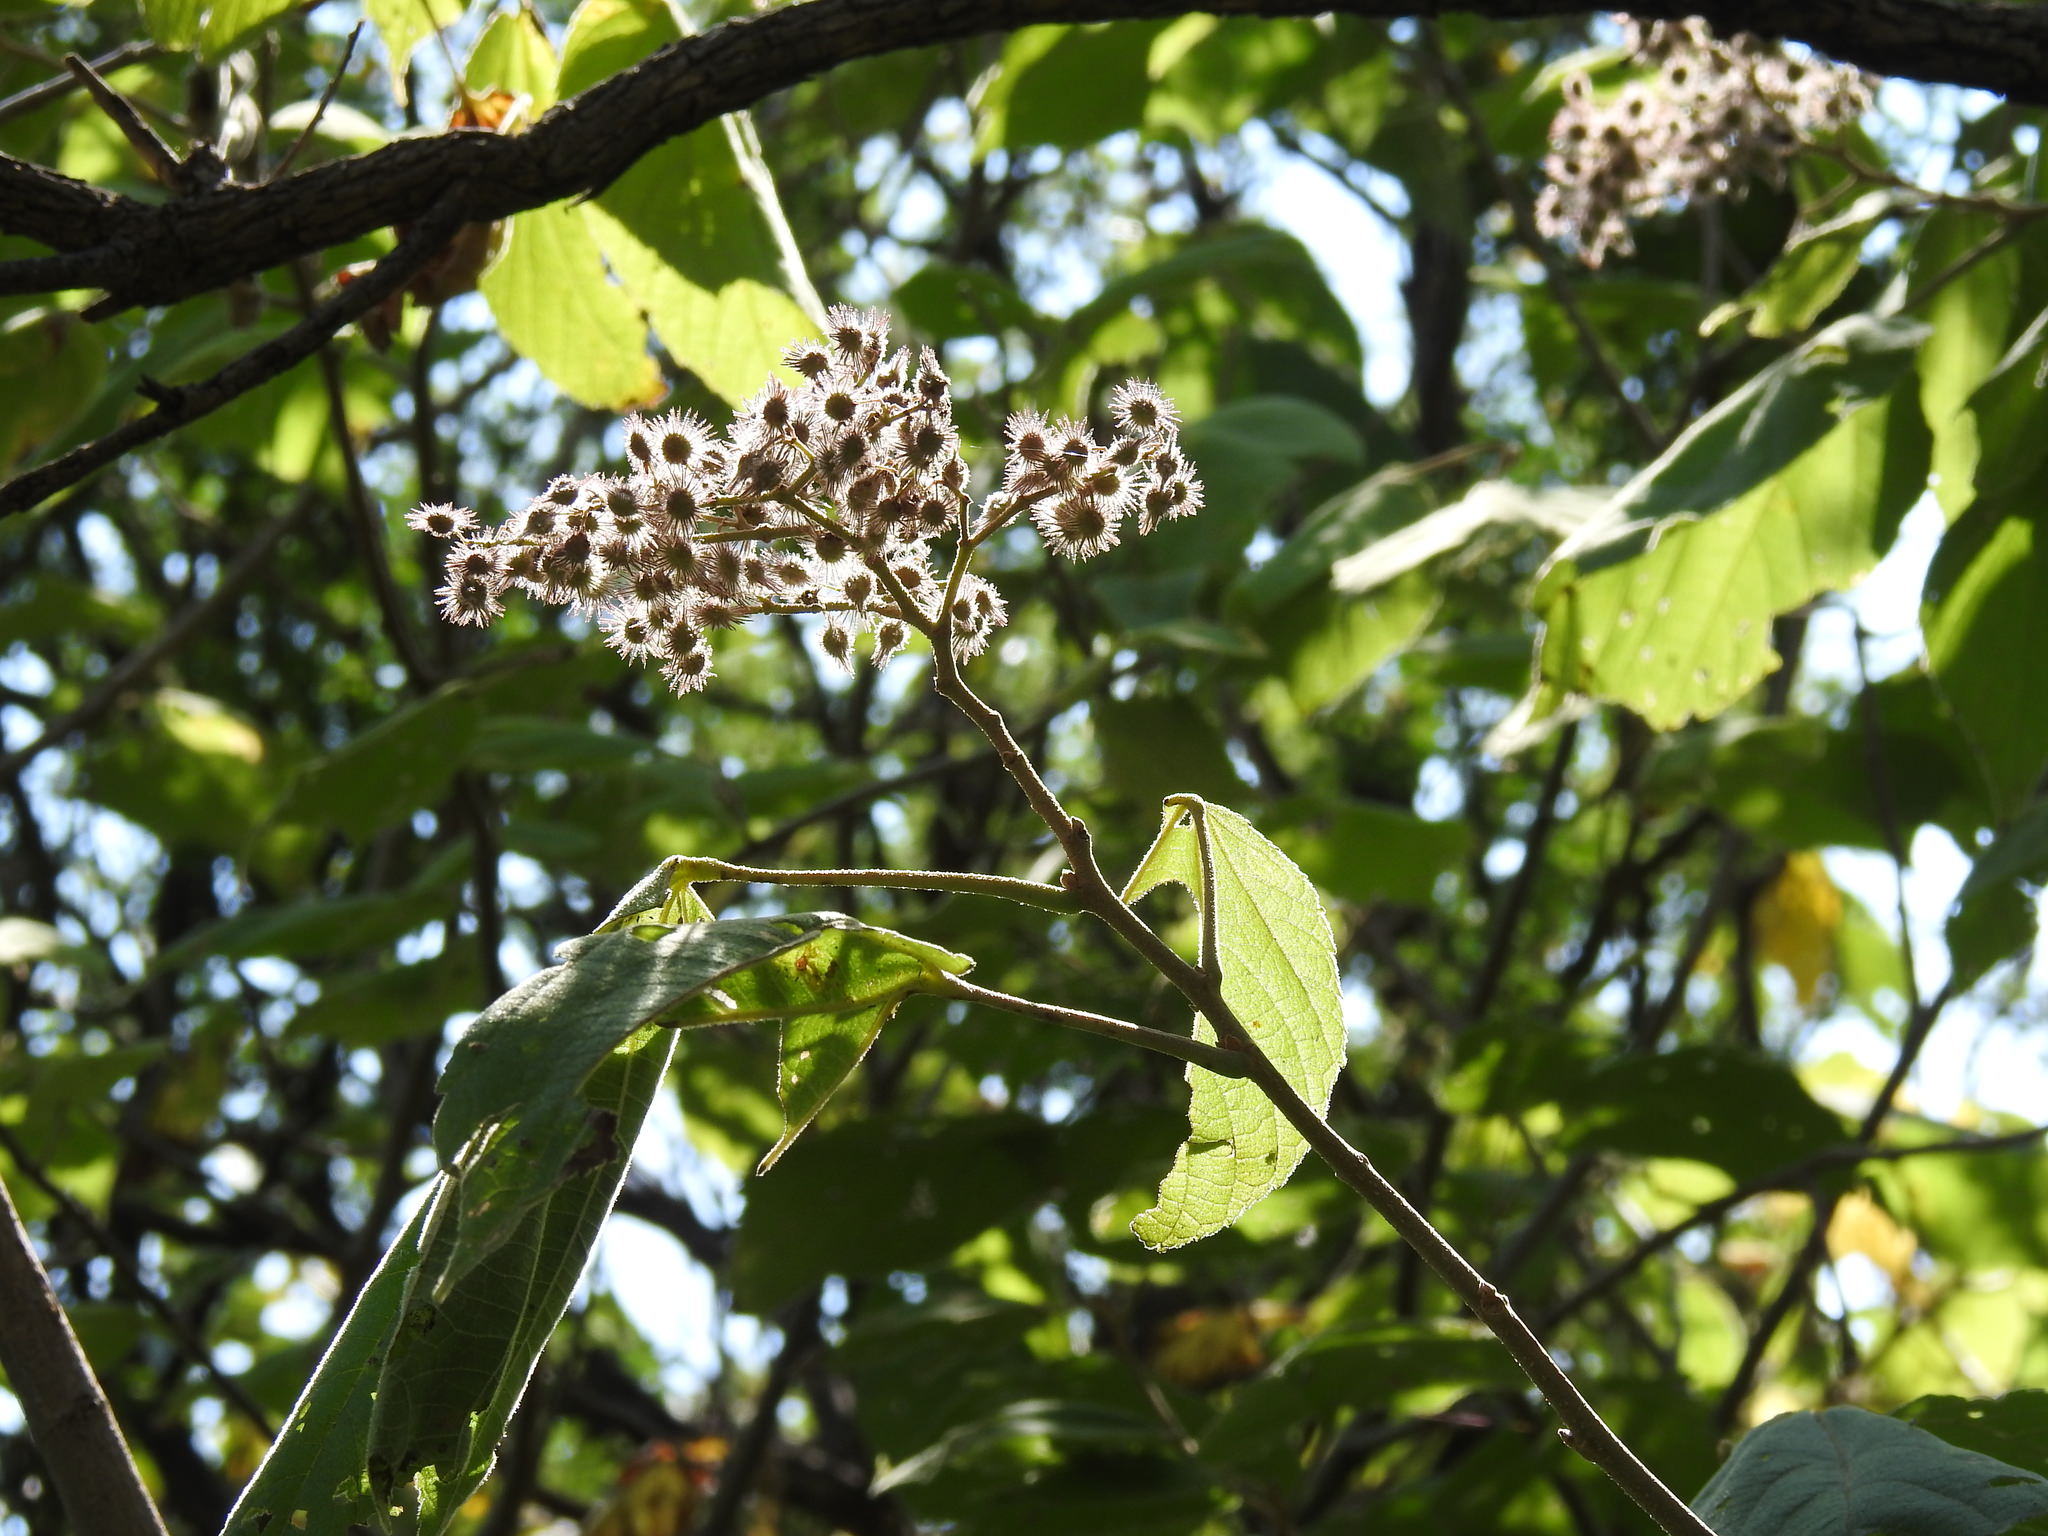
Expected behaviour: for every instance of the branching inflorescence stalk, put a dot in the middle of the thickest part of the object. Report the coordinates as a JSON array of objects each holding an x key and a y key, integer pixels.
[{"x": 827, "y": 499}]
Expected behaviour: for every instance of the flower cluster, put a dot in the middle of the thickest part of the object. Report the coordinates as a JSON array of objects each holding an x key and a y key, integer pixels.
[
  {"x": 823, "y": 497},
  {"x": 1714, "y": 115}
]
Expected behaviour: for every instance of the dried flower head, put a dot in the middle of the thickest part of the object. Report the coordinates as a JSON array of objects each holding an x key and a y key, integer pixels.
[
  {"x": 822, "y": 497},
  {"x": 1715, "y": 114}
]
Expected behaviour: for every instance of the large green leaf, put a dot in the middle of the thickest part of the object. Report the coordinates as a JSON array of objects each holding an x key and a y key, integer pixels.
[
  {"x": 1993, "y": 914},
  {"x": 2013, "y": 1428},
  {"x": 556, "y": 305},
  {"x": 313, "y": 1478},
  {"x": 1736, "y": 1109},
  {"x": 458, "y": 1360},
  {"x": 515, "y": 1120},
  {"x": 1987, "y": 607},
  {"x": 1067, "y": 86},
  {"x": 693, "y": 230},
  {"x": 401, "y": 764},
  {"x": 1555, "y": 511},
  {"x": 1847, "y": 1472},
  {"x": 1971, "y": 315},
  {"x": 1673, "y": 619},
  {"x": 1279, "y": 975}
]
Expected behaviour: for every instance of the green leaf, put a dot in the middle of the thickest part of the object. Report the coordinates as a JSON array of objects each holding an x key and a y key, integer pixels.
[
  {"x": 463, "y": 1349},
  {"x": 1405, "y": 1367},
  {"x": 173, "y": 23},
  {"x": 1971, "y": 315},
  {"x": 867, "y": 1197},
  {"x": 1987, "y": 605},
  {"x": 512, "y": 1123},
  {"x": 1151, "y": 746},
  {"x": 1773, "y": 419},
  {"x": 1068, "y": 87},
  {"x": 1210, "y": 77},
  {"x": 691, "y": 229},
  {"x": 943, "y": 300},
  {"x": 556, "y": 304},
  {"x": 312, "y": 1479},
  {"x": 1993, "y": 914},
  {"x": 514, "y": 56},
  {"x": 51, "y": 370},
  {"x": 1329, "y": 644},
  {"x": 400, "y": 765},
  {"x": 397, "y": 1003},
  {"x": 1735, "y": 1109},
  {"x": 1360, "y": 852},
  {"x": 1816, "y": 265},
  {"x": 1846, "y": 1472},
  {"x": 1556, "y": 511},
  {"x": 2013, "y": 1428},
  {"x": 229, "y": 21},
  {"x": 340, "y": 925},
  {"x": 513, "y": 1120},
  {"x": 189, "y": 769},
  {"x": 1367, "y": 514},
  {"x": 1677, "y": 625},
  {"x": 1279, "y": 975},
  {"x": 1082, "y": 1423},
  {"x": 404, "y": 25}
]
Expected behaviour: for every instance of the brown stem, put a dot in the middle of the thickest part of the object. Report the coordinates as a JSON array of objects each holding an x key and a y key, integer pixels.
[
  {"x": 1584, "y": 1430},
  {"x": 68, "y": 1416}
]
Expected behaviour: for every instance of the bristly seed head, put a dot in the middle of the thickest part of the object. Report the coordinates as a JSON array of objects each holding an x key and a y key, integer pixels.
[{"x": 824, "y": 497}]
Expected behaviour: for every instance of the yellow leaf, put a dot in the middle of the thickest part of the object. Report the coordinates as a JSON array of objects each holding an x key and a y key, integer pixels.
[
  {"x": 1795, "y": 922},
  {"x": 1861, "y": 1225}
]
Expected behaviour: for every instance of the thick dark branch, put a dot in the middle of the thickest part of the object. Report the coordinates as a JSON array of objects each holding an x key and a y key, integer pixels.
[
  {"x": 145, "y": 253},
  {"x": 186, "y": 403}
]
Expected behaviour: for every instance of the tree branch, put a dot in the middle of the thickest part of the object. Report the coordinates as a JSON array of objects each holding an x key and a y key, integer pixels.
[
  {"x": 67, "y": 1414},
  {"x": 157, "y": 253},
  {"x": 177, "y": 406}
]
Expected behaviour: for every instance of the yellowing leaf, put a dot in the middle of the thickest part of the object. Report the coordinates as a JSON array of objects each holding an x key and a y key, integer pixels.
[
  {"x": 1279, "y": 974},
  {"x": 1795, "y": 922},
  {"x": 1861, "y": 1225},
  {"x": 1207, "y": 1347}
]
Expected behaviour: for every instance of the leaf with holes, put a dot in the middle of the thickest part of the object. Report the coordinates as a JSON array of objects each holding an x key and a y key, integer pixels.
[{"x": 1279, "y": 974}]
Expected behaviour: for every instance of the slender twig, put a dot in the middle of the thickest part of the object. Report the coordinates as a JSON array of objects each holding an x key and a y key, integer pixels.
[
  {"x": 1923, "y": 1014},
  {"x": 348, "y": 52},
  {"x": 177, "y": 406},
  {"x": 1797, "y": 1175},
  {"x": 1030, "y": 892},
  {"x": 1216, "y": 1058},
  {"x": 364, "y": 514},
  {"x": 161, "y": 159},
  {"x": 67, "y": 1414},
  {"x": 22, "y": 102},
  {"x": 138, "y": 664},
  {"x": 1584, "y": 1430},
  {"x": 750, "y": 1450}
]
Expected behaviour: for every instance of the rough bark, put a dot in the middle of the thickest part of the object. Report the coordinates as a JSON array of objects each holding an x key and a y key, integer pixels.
[{"x": 156, "y": 253}]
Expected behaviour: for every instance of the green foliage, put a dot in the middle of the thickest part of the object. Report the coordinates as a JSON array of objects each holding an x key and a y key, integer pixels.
[
  {"x": 1855, "y": 1473},
  {"x": 1525, "y": 634},
  {"x": 1279, "y": 975}
]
